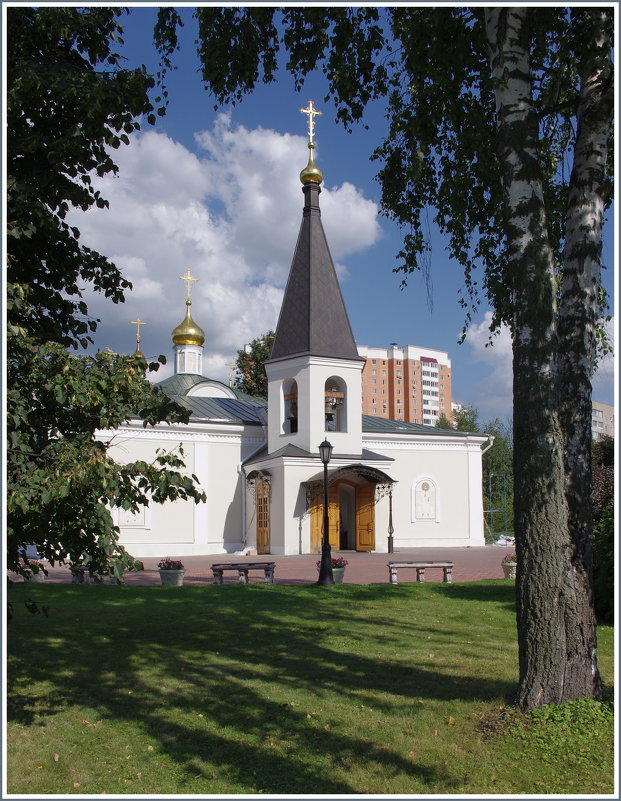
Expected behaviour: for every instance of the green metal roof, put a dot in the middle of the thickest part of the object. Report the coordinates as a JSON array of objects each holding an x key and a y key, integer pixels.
[
  {"x": 222, "y": 410},
  {"x": 241, "y": 410},
  {"x": 382, "y": 425},
  {"x": 182, "y": 383},
  {"x": 244, "y": 409}
]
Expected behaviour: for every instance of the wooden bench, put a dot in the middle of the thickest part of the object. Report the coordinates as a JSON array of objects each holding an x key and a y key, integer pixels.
[
  {"x": 242, "y": 569},
  {"x": 420, "y": 567}
]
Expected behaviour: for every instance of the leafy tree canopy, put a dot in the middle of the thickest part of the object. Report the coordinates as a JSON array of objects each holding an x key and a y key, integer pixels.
[
  {"x": 70, "y": 103},
  {"x": 498, "y": 463},
  {"x": 250, "y": 374},
  {"x": 466, "y": 419}
]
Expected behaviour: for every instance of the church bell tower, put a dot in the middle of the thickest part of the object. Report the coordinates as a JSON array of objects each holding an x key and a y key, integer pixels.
[{"x": 314, "y": 371}]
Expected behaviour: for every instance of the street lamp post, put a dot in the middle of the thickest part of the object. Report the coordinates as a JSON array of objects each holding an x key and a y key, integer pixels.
[{"x": 325, "y": 568}]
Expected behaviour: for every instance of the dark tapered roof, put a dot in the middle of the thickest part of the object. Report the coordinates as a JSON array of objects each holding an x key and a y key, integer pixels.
[{"x": 313, "y": 319}]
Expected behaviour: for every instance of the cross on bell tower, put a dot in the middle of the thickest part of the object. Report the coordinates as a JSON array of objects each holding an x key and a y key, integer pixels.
[{"x": 312, "y": 113}]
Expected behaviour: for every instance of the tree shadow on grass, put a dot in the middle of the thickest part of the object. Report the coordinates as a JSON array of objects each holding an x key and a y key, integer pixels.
[
  {"x": 184, "y": 650},
  {"x": 496, "y": 591}
]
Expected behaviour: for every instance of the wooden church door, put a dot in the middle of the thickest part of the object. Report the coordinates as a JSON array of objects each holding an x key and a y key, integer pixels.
[
  {"x": 334, "y": 520},
  {"x": 263, "y": 517},
  {"x": 365, "y": 517}
]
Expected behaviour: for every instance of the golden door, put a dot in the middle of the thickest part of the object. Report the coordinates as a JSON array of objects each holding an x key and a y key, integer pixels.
[
  {"x": 263, "y": 517},
  {"x": 365, "y": 517},
  {"x": 334, "y": 518}
]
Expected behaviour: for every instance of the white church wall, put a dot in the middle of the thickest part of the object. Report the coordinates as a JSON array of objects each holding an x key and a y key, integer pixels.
[
  {"x": 277, "y": 510},
  {"x": 381, "y": 524},
  {"x": 289, "y": 516},
  {"x": 170, "y": 525},
  {"x": 184, "y": 528},
  {"x": 223, "y": 487},
  {"x": 297, "y": 515},
  {"x": 452, "y": 514}
]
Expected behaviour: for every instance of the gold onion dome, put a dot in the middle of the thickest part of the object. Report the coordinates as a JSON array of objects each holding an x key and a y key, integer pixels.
[
  {"x": 311, "y": 174},
  {"x": 187, "y": 332}
]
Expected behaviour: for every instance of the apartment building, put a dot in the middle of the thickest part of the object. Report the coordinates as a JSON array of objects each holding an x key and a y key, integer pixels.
[
  {"x": 406, "y": 383},
  {"x": 602, "y": 420}
]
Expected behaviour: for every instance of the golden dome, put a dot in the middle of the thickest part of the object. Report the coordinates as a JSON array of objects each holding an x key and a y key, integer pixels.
[
  {"x": 187, "y": 332},
  {"x": 311, "y": 174}
]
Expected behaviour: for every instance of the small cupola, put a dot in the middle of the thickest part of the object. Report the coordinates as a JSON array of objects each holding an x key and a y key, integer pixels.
[
  {"x": 188, "y": 338},
  {"x": 187, "y": 332}
]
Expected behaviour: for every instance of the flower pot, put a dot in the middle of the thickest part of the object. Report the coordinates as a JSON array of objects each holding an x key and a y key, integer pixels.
[
  {"x": 171, "y": 578},
  {"x": 337, "y": 574},
  {"x": 509, "y": 568}
]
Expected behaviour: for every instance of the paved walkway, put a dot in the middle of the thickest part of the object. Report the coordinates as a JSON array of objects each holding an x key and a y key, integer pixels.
[{"x": 471, "y": 564}]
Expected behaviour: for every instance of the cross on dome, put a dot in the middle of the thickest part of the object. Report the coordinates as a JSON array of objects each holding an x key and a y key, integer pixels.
[
  {"x": 312, "y": 113},
  {"x": 138, "y": 323},
  {"x": 188, "y": 278}
]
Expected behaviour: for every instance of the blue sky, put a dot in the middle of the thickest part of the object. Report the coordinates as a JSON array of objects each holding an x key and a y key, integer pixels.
[{"x": 218, "y": 191}]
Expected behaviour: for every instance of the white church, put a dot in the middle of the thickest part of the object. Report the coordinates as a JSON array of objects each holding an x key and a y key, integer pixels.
[{"x": 259, "y": 463}]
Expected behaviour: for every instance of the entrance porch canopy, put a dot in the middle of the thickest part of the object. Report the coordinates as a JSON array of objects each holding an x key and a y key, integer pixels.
[{"x": 362, "y": 470}]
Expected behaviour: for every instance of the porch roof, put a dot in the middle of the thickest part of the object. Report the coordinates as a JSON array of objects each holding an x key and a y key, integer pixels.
[
  {"x": 292, "y": 451},
  {"x": 363, "y": 470}
]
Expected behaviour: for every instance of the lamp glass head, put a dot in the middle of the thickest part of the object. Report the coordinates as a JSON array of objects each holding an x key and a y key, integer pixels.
[{"x": 325, "y": 451}]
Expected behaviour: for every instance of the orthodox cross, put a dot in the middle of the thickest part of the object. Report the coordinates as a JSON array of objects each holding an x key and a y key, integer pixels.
[
  {"x": 188, "y": 277},
  {"x": 312, "y": 112},
  {"x": 138, "y": 323}
]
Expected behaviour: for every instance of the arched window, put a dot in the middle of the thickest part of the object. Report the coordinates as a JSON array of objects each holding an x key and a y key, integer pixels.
[
  {"x": 290, "y": 393},
  {"x": 335, "y": 403}
]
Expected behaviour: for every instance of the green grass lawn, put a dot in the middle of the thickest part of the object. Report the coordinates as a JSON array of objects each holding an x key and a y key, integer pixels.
[{"x": 287, "y": 690}]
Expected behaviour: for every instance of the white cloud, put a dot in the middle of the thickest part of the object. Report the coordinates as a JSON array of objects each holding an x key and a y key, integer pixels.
[
  {"x": 493, "y": 394},
  {"x": 136, "y": 271},
  {"x": 230, "y": 212}
]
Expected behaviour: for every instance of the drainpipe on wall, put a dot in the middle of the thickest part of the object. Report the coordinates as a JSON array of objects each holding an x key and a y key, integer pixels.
[{"x": 491, "y": 439}]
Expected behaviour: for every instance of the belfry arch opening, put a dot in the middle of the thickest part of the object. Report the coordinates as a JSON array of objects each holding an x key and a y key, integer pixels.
[
  {"x": 335, "y": 404},
  {"x": 290, "y": 406}
]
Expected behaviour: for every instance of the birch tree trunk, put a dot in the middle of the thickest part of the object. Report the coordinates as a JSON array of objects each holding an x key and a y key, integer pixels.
[
  {"x": 550, "y": 622},
  {"x": 578, "y": 317}
]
